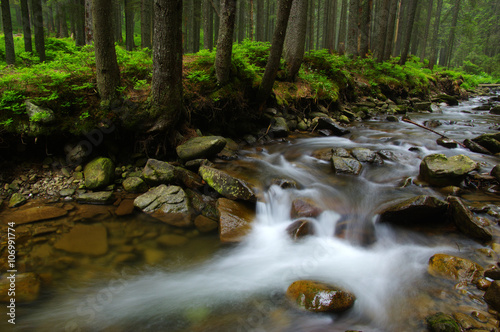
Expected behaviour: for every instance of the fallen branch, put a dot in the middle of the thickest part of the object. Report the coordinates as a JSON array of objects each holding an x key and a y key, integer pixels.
[{"x": 432, "y": 131}]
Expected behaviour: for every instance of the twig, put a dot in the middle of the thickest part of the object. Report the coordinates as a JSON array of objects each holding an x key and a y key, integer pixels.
[{"x": 432, "y": 131}]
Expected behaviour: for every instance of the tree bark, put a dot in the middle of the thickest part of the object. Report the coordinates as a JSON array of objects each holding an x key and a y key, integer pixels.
[
  {"x": 412, "y": 9},
  {"x": 107, "y": 71},
  {"x": 39, "y": 34},
  {"x": 259, "y": 21},
  {"x": 216, "y": 6},
  {"x": 342, "y": 28},
  {"x": 117, "y": 21},
  {"x": 400, "y": 27},
  {"x": 391, "y": 28},
  {"x": 435, "y": 34},
  {"x": 310, "y": 26},
  {"x": 364, "y": 30},
  {"x": 146, "y": 23},
  {"x": 129, "y": 25},
  {"x": 352, "y": 28},
  {"x": 273, "y": 62},
  {"x": 451, "y": 39},
  {"x": 225, "y": 41},
  {"x": 208, "y": 25},
  {"x": 196, "y": 25},
  {"x": 166, "y": 86},
  {"x": 296, "y": 38},
  {"x": 416, "y": 31},
  {"x": 63, "y": 22},
  {"x": 10, "y": 54},
  {"x": 381, "y": 30},
  {"x": 89, "y": 34},
  {"x": 423, "y": 46},
  {"x": 79, "y": 15},
  {"x": 28, "y": 47},
  {"x": 241, "y": 20}
]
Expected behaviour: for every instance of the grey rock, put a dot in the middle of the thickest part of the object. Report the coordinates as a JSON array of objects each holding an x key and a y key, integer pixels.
[
  {"x": 158, "y": 172},
  {"x": 201, "y": 147},
  {"x": 346, "y": 165},
  {"x": 100, "y": 197},
  {"x": 465, "y": 220}
]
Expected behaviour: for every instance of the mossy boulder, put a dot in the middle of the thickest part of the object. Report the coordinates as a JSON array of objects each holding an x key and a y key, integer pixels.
[
  {"x": 441, "y": 322},
  {"x": 99, "y": 173},
  {"x": 320, "y": 297},
  {"x": 279, "y": 128},
  {"x": 417, "y": 210},
  {"x": 439, "y": 170},
  {"x": 16, "y": 200},
  {"x": 346, "y": 165},
  {"x": 158, "y": 172},
  {"x": 226, "y": 184},
  {"x": 200, "y": 147},
  {"x": 135, "y": 184},
  {"x": 454, "y": 268},
  {"x": 495, "y": 172},
  {"x": 465, "y": 220},
  {"x": 489, "y": 141}
]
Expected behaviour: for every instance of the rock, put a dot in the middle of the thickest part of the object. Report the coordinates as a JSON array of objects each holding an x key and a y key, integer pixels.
[
  {"x": 391, "y": 118},
  {"x": 493, "y": 273},
  {"x": 67, "y": 192},
  {"x": 158, "y": 172},
  {"x": 495, "y": 110},
  {"x": 99, "y": 173},
  {"x": 441, "y": 322},
  {"x": 416, "y": 211},
  {"x": 366, "y": 155},
  {"x": 125, "y": 208},
  {"x": 484, "y": 107},
  {"x": 99, "y": 197},
  {"x": 26, "y": 285},
  {"x": 495, "y": 172},
  {"x": 17, "y": 200},
  {"x": 84, "y": 239},
  {"x": 450, "y": 100},
  {"x": 328, "y": 123},
  {"x": 437, "y": 169},
  {"x": 492, "y": 295},
  {"x": 454, "y": 268},
  {"x": 489, "y": 141},
  {"x": 466, "y": 321},
  {"x": 135, "y": 185},
  {"x": 447, "y": 143},
  {"x": 423, "y": 106},
  {"x": 304, "y": 208},
  {"x": 204, "y": 224},
  {"x": 189, "y": 179},
  {"x": 340, "y": 152},
  {"x": 346, "y": 165},
  {"x": 465, "y": 220},
  {"x": 227, "y": 185},
  {"x": 200, "y": 147},
  {"x": 39, "y": 114},
  {"x": 300, "y": 228},
  {"x": 284, "y": 183},
  {"x": 279, "y": 128},
  {"x": 474, "y": 147},
  {"x": 35, "y": 214},
  {"x": 235, "y": 219},
  {"x": 171, "y": 240},
  {"x": 320, "y": 297}
]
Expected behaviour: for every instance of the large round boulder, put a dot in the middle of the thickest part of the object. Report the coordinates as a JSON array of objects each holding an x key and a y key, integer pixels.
[
  {"x": 99, "y": 173},
  {"x": 439, "y": 170},
  {"x": 320, "y": 297},
  {"x": 200, "y": 147}
]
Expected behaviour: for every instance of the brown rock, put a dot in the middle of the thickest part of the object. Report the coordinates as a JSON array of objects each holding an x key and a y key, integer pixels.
[
  {"x": 465, "y": 220},
  {"x": 492, "y": 295},
  {"x": 126, "y": 207},
  {"x": 35, "y": 214},
  {"x": 492, "y": 274},
  {"x": 454, "y": 268},
  {"x": 300, "y": 228},
  {"x": 235, "y": 219},
  {"x": 27, "y": 287},
  {"x": 84, "y": 239},
  {"x": 416, "y": 210},
  {"x": 204, "y": 224},
  {"x": 171, "y": 240},
  {"x": 304, "y": 208}
]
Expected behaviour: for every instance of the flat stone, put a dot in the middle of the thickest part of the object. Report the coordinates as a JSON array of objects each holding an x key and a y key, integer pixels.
[
  {"x": 346, "y": 165},
  {"x": 158, "y": 172},
  {"x": 454, "y": 268},
  {"x": 465, "y": 220},
  {"x": 417, "y": 210},
  {"x": 17, "y": 200},
  {"x": 84, "y": 239},
  {"x": 200, "y": 147},
  {"x": 439, "y": 170},
  {"x": 328, "y": 123},
  {"x": 67, "y": 192},
  {"x": 99, "y": 197},
  {"x": 235, "y": 219},
  {"x": 35, "y": 214},
  {"x": 226, "y": 184}
]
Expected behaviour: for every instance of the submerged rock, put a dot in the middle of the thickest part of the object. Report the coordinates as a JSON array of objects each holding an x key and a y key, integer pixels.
[
  {"x": 235, "y": 219},
  {"x": 465, "y": 220},
  {"x": 304, "y": 208},
  {"x": 204, "y": 224},
  {"x": 421, "y": 209},
  {"x": 441, "y": 322},
  {"x": 492, "y": 295},
  {"x": 84, "y": 239},
  {"x": 35, "y": 214},
  {"x": 300, "y": 228},
  {"x": 454, "y": 268},
  {"x": 99, "y": 173},
  {"x": 27, "y": 287},
  {"x": 100, "y": 197},
  {"x": 158, "y": 172},
  {"x": 226, "y": 184},
  {"x": 200, "y": 147},
  {"x": 346, "y": 165},
  {"x": 439, "y": 170},
  {"x": 320, "y": 297}
]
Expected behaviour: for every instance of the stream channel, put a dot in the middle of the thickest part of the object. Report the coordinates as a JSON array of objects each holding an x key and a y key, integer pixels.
[{"x": 203, "y": 285}]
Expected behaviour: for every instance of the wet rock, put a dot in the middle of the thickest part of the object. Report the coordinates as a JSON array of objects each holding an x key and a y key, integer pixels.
[
  {"x": 200, "y": 147},
  {"x": 125, "y": 208},
  {"x": 284, "y": 183},
  {"x": 134, "y": 185},
  {"x": 158, "y": 172},
  {"x": 204, "y": 224},
  {"x": 391, "y": 118},
  {"x": 493, "y": 274},
  {"x": 84, "y": 239},
  {"x": 346, "y": 165},
  {"x": 366, "y": 155},
  {"x": 489, "y": 141},
  {"x": 320, "y": 297},
  {"x": 450, "y": 100},
  {"x": 100, "y": 197},
  {"x": 441, "y": 322},
  {"x": 235, "y": 219},
  {"x": 328, "y": 123},
  {"x": 421, "y": 209},
  {"x": 466, "y": 321},
  {"x": 465, "y": 220},
  {"x": 99, "y": 173},
  {"x": 67, "y": 192},
  {"x": 39, "y": 114},
  {"x": 35, "y": 214},
  {"x": 279, "y": 128},
  {"x": 454, "y": 268},
  {"x": 188, "y": 179},
  {"x": 340, "y": 152},
  {"x": 474, "y": 147},
  {"x": 447, "y": 143},
  {"x": 300, "y": 228},
  {"x": 304, "y": 208},
  {"x": 226, "y": 184},
  {"x": 492, "y": 295},
  {"x": 17, "y": 200},
  {"x": 171, "y": 240},
  {"x": 495, "y": 110},
  {"x": 439, "y": 170},
  {"x": 483, "y": 284},
  {"x": 423, "y": 106},
  {"x": 26, "y": 285},
  {"x": 495, "y": 172}
]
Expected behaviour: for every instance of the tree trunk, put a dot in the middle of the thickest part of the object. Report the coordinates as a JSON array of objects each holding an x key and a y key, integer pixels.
[
  {"x": 79, "y": 15},
  {"x": 225, "y": 41},
  {"x": 412, "y": 9},
  {"x": 10, "y": 54},
  {"x": 295, "y": 38},
  {"x": 343, "y": 28},
  {"x": 63, "y": 9},
  {"x": 365, "y": 24},
  {"x": 381, "y": 30},
  {"x": 50, "y": 19},
  {"x": 435, "y": 34},
  {"x": 208, "y": 25},
  {"x": 117, "y": 21},
  {"x": 146, "y": 23},
  {"x": 400, "y": 27},
  {"x": 451, "y": 39},
  {"x": 273, "y": 62},
  {"x": 166, "y": 87},
  {"x": 129, "y": 25},
  {"x": 259, "y": 21},
  {"x": 310, "y": 26},
  {"x": 196, "y": 25},
  {"x": 241, "y": 20},
  {"x": 216, "y": 4},
  {"x": 423, "y": 46},
  {"x": 352, "y": 28},
  {"x": 28, "y": 47},
  {"x": 107, "y": 71},
  {"x": 57, "y": 19},
  {"x": 417, "y": 30},
  {"x": 88, "y": 22},
  {"x": 391, "y": 28},
  {"x": 39, "y": 34}
]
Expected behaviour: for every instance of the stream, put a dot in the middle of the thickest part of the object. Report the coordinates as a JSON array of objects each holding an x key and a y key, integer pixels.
[{"x": 203, "y": 285}]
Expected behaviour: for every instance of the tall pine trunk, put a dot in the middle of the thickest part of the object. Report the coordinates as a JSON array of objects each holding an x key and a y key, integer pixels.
[
  {"x": 88, "y": 22},
  {"x": 28, "y": 47},
  {"x": 146, "y": 23},
  {"x": 364, "y": 27},
  {"x": 39, "y": 33},
  {"x": 225, "y": 41},
  {"x": 208, "y": 25},
  {"x": 10, "y": 54},
  {"x": 241, "y": 6},
  {"x": 79, "y": 16},
  {"x": 381, "y": 21},
  {"x": 391, "y": 29},
  {"x": 196, "y": 25},
  {"x": 259, "y": 20},
  {"x": 342, "y": 28},
  {"x": 412, "y": 9},
  {"x": 117, "y": 21},
  {"x": 423, "y": 46},
  {"x": 296, "y": 38},
  {"x": 129, "y": 25},
  {"x": 435, "y": 34},
  {"x": 352, "y": 28},
  {"x": 451, "y": 38}
]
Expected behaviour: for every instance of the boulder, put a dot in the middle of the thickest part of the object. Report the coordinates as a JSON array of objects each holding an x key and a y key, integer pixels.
[
  {"x": 99, "y": 197},
  {"x": 416, "y": 211},
  {"x": 465, "y": 220},
  {"x": 284, "y": 183},
  {"x": 366, "y": 155},
  {"x": 188, "y": 179},
  {"x": 84, "y": 239},
  {"x": 204, "y": 224},
  {"x": 16, "y": 200},
  {"x": 226, "y": 184},
  {"x": 439, "y": 170},
  {"x": 99, "y": 173},
  {"x": 423, "y": 106},
  {"x": 489, "y": 141},
  {"x": 158, "y": 172},
  {"x": 35, "y": 214},
  {"x": 27, "y": 287},
  {"x": 328, "y": 123},
  {"x": 346, "y": 165},
  {"x": 474, "y": 147},
  {"x": 492, "y": 273},
  {"x": 39, "y": 114},
  {"x": 304, "y": 208},
  {"x": 235, "y": 219},
  {"x": 495, "y": 172},
  {"x": 454, "y": 268},
  {"x": 447, "y": 142},
  {"x": 320, "y": 297},
  {"x": 495, "y": 110},
  {"x": 279, "y": 128},
  {"x": 441, "y": 322},
  {"x": 134, "y": 184},
  {"x": 492, "y": 295},
  {"x": 200, "y": 147},
  {"x": 300, "y": 228}
]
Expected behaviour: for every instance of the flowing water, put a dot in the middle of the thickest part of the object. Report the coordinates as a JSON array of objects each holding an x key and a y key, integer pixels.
[{"x": 204, "y": 286}]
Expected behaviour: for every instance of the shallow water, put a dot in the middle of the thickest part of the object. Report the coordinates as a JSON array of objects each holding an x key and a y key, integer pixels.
[{"x": 203, "y": 286}]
